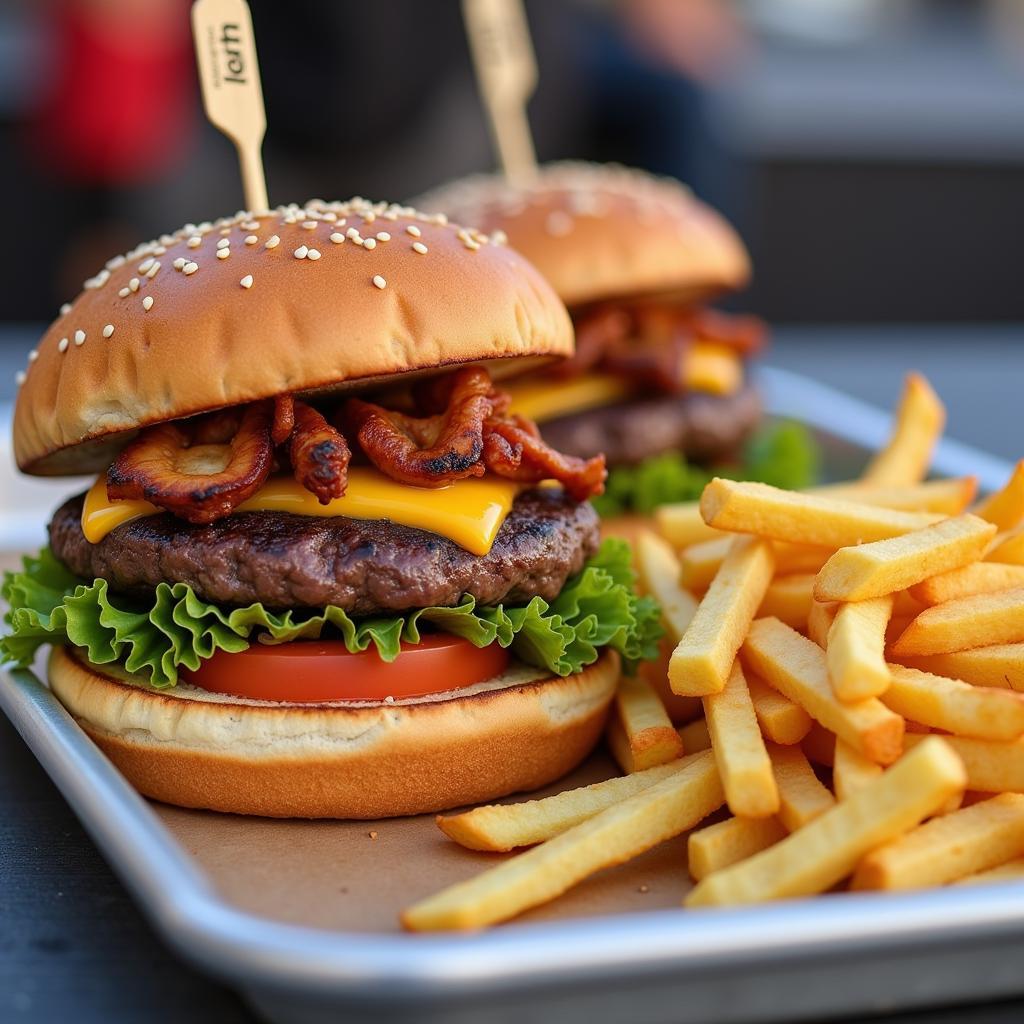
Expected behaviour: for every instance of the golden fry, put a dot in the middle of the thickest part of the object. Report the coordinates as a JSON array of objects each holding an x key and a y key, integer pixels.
[
  {"x": 1011, "y": 871},
  {"x": 855, "y": 651},
  {"x": 613, "y": 836},
  {"x": 699, "y": 562},
  {"x": 1001, "y": 665},
  {"x": 788, "y": 599},
  {"x": 947, "y": 848},
  {"x": 658, "y": 570},
  {"x": 1005, "y": 508},
  {"x": 819, "y": 621},
  {"x": 950, "y": 496},
  {"x": 681, "y": 524},
  {"x": 978, "y": 621},
  {"x": 886, "y": 566},
  {"x": 703, "y": 659},
  {"x": 780, "y": 719},
  {"x": 851, "y": 771},
  {"x": 968, "y": 580},
  {"x": 1008, "y": 547},
  {"x": 728, "y": 842},
  {"x": 920, "y": 419},
  {"x": 641, "y": 734},
  {"x": 802, "y": 797},
  {"x": 993, "y": 766},
  {"x": 828, "y": 849},
  {"x": 743, "y": 764},
  {"x": 796, "y": 667}
]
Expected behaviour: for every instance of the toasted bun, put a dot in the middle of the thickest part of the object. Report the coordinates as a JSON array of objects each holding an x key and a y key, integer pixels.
[
  {"x": 207, "y": 341},
  {"x": 599, "y": 231},
  {"x": 195, "y": 749}
]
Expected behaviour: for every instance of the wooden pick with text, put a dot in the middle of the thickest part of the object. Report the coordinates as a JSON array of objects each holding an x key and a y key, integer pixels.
[
  {"x": 230, "y": 79},
  {"x": 506, "y": 70}
]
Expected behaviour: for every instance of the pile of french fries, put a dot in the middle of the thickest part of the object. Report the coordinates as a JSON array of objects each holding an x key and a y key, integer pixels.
[{"x": 840, "y": 691}]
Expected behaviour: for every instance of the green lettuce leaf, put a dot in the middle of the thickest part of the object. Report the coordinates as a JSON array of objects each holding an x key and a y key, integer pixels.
[
  {"x": 176, "y": 629},
  {"x": 782, "y": 454}
]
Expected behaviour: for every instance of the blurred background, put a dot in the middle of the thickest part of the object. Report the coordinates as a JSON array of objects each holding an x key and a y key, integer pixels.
[{"x": 870, "y": 151}]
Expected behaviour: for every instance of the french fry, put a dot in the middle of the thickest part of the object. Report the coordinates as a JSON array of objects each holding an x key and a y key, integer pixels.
[
  {"x": 993, "y": 766},
  {"x": 803, "y": 518},
  {"x": 781, "y": 720},
  {"x": 701, "y": 662},
  {"x": 743, "y": 764},
  {"x": 640, "y": 732},
  {"x": 855, "y": 651},
  {"x": 955, "y": 706},
  {"x": 695, "y": 736},
  {"x": 1008, "y": 547},
  {"x": 978, "y": 621},
  {"x": 968, "y": 580},
  {"x": 920, "y": 419},
  {"x": 1011, "y": 871},
  {"x": 728, "y": 842},
  {"x": 819, "y": 621},
  {"x": 613, "y": 836},
  {"x": 851, "y": 771},
  {"x": 819, "y": 745},
  {"x": 503, "y": 827},
  {"x": 658, "y": 570},
  {"x": 828, "y": 849},
  {"x": 795, "y": 666},
  {"x": 946, "y": 848},
  {"x": 802, "y": 797},
  {"x": 886, "y": 566},
  {"x": 1005, "y": 508},
  {"x": 681, "y": 524},
  {"x": 699, "y": 562},
  {"x": 788, "y": 599},
  {"x": 1001, "y": 665}
]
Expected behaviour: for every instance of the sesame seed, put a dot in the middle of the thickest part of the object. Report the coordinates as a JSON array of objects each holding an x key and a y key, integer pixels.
[
  {"x": 20, "y": 377},
  {"x": 223, "y": 243},
  {"x": 440, "y": 218},
  {"x": 108, "y": 330},
  {"x": 225, "y": 231},
  {"x": 251, "y": 239},
  {"x": 250, "y": 225},
  {"x": 383, "y": 236},
  {"x": 159, "y": 250},
  {"x": 301, "y": 253},
  {"x": 559, "y": 223},
  {"x": 194, "y": 242},
  {"x": 223, "y": 254},
  {"x": 189, "y": 268},
  {"x": 133, "y": 284},
  {"x": 358, "y": 240},
  {"x": 379, "y": 281},
  {"x": 313, "y": 254},
  {"x": 145, "y": 265},
  {"x": 337, "y": 238},
  {"x": 65, "y": 309},
  {"x": 472, "y": 245},
  {"x": 62, "y": 345},
  {"x": 309, "y": 224},
  {"x": 178, "y": 264},
  {"x": 352, "y": 232},
  {"x": 117, "y": 261},
  {"x": 147, "y": 303},
  {"x": 33, "y": 356},
  {"x": 499, "y": 237},
  {"x": 419, "y": 247},
  {"x": 369, "y": 243},
  {"x": 125, "y": 292},
  {"x": 79, "y": 337},
  {"x": 273, "y": 241},
  {"x": 246, "y": 281},
  {"x": 411, "y": 229},
  {"x": 153, "y": 269}
]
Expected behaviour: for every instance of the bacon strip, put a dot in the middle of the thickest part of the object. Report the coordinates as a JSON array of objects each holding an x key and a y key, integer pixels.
[
  {"x": 284, "y": 419},
  {"x": 319, "y": 454},
  {"x": 200, "y": 470}
]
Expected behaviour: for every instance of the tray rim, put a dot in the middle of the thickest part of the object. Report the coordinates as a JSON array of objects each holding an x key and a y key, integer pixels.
[{"x": 248, "y": 950}]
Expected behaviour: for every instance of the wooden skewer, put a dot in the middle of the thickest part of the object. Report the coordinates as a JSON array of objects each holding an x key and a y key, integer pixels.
[
  {"x": 230, "y": 77},
  {"x": 506, "y": 71}
]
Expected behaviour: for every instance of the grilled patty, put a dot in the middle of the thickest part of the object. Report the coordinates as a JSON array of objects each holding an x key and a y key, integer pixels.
[
  {"x": 363, "y": 566},
  {"x": 703, "y": 427}
]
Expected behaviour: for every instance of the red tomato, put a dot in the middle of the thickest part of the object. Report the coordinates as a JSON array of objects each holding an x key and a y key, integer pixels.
[{"x": 314, "y": 671}]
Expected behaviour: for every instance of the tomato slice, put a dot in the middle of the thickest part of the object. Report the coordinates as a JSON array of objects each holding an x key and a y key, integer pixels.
[{"x": 314, "y": 671}]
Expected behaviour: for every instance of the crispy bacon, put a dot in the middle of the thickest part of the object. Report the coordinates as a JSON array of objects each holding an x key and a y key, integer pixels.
[
  {"x": 319, "y": 454},
  {"x": 513, "y": 449},
  {"x": 596, "y": 332},
  {"x": 746, "y": 334},
  {"x": 201, "y": 469},
  {"x": 428, "y": 451},
  {"x": 284, "y": 419}
]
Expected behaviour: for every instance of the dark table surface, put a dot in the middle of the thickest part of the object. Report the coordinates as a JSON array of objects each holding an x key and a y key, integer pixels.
[{"x": 72, "y": 945}]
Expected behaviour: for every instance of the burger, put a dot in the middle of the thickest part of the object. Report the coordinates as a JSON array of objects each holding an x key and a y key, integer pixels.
[
  {"x": 659, "y": 380},
  {"x": 325, "y": 570}
]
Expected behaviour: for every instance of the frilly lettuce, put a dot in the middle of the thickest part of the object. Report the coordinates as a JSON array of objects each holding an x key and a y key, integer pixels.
[{"x": 176, "y": 629}]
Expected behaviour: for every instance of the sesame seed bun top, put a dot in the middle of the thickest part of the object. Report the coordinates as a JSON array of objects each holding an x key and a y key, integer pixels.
[
  {"x": 303, "y": 299},
  {"x": 600, "y": 231}
]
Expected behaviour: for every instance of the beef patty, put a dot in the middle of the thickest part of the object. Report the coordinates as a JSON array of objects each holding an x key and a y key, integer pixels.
[
  {"x": 703, "y": 427},
  {"x": 363, "y": 566}
]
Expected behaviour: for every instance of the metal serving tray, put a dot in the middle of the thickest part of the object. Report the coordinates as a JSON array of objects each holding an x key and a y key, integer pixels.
[{"x": 802, "y": 960}]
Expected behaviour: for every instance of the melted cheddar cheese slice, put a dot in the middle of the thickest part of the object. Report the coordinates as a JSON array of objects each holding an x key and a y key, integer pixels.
[
  {"x": 710, "y": 367},
  {"x": 469, "y": 512}
]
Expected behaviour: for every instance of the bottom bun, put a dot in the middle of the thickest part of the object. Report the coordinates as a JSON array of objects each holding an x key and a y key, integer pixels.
[{"x": 198, "y": 749}]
